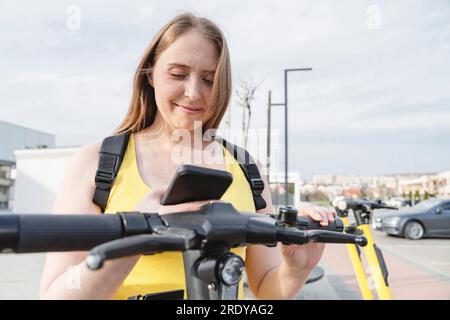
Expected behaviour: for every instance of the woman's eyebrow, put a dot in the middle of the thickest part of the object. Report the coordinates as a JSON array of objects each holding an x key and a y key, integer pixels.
[{"x": 180, "y": 65}]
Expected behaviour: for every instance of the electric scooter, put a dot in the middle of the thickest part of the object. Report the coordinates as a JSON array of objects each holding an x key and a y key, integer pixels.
[
  {"x": 204, "y": 236},
  {"x": 362, "y": 211}
]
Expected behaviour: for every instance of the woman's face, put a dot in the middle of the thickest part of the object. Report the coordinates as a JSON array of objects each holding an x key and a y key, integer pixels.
[{"x": 182, "y": 78}]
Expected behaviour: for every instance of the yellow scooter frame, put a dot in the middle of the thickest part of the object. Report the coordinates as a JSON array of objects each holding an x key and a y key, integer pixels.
[{"x": 373, "y": 254}]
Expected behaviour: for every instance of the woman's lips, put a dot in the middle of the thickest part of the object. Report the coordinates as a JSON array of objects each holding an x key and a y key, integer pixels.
[{"x": 190, "y": 110}]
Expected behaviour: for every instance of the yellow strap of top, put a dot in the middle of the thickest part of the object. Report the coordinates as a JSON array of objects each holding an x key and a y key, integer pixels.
[{"x": 165, "y": 271}]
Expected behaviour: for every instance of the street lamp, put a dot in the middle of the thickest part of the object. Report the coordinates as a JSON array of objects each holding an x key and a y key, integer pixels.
[{"x": 285, "y": 104}]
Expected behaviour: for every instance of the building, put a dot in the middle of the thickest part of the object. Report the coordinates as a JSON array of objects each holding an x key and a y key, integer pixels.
[
  {"x": 436, "y": 184},
  {"x": 5, "y": 183},
  {"x": 323, "y": 179},
  {"x": 13, "y": 137},
  {"x": 443, "y": 184},
  {"x": 39, "y": 173},
  {"x": 277, "y": 189}
]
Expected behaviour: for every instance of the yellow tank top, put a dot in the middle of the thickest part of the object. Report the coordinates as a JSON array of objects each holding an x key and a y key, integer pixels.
[{"x": 165, "y": 271}]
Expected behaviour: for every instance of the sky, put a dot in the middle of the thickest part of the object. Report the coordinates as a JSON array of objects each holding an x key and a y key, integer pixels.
[{"x": 376, "y": 102}]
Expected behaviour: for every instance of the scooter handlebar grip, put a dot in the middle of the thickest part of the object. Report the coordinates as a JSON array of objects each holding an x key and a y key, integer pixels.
[{"x": 22, "y": 233}]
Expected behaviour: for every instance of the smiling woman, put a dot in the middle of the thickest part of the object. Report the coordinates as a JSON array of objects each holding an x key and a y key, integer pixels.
[{"x": 184, "y": 77}]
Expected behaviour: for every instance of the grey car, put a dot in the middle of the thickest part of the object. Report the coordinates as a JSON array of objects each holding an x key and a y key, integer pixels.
[{"x": 430, "y": 218}]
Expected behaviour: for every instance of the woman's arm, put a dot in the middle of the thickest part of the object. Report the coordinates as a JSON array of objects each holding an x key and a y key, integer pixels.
[
  {"x": 65, "y": 274},
  {"x": 280, "y": 272}
]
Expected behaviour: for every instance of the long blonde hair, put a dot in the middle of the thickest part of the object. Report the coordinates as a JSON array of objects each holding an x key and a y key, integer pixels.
[{"x": 142, "y": 111}]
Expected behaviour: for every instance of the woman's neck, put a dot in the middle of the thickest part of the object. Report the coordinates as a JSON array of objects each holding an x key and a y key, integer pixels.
[
  {"x": 184, "y": 146},
  {"x": 166, "y": 137}
]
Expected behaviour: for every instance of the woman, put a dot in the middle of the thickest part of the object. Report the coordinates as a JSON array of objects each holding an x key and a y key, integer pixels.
[{"x": 184, "y": 78}]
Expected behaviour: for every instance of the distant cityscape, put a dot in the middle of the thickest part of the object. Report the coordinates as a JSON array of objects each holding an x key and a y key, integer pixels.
[
  {"x": 408, "y": 186},
  {"x": 324, "y": 188}
]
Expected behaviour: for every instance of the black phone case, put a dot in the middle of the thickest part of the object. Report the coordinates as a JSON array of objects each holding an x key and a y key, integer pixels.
[{"x": 193, "y": 183}]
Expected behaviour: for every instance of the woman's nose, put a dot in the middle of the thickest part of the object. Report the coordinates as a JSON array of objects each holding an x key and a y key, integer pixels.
[{"x": 192, "y": 90}]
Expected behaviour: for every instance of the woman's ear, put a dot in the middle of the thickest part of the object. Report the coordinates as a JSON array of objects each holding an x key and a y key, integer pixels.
[
  {"x": 149, "y": 75},
  {"x": 150, "y": 79}
]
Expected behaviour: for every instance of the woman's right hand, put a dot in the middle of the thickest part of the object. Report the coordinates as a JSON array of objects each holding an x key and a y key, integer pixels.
[{"x": 151, "y": 204}]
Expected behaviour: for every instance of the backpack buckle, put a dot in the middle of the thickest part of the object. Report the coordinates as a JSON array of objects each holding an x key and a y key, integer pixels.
[
  {"x": 257, "y": 186},
  {"x": 105, "y": 174},
  {"x": 104, "y": 179}
]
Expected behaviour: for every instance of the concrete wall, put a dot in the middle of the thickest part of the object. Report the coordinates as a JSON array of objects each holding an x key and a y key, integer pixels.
[{"x": 39, "y": 174}]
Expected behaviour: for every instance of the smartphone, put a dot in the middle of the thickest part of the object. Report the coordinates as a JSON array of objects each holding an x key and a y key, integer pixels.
[{"x": 193, "y": 183}]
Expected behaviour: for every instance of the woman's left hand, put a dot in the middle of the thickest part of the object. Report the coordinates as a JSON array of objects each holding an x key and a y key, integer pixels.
[{"x": 301, "y": 258}]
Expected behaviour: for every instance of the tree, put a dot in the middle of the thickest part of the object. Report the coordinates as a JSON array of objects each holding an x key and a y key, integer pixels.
[
  {"x": 364, "y": 191},
  {"x": 246, "y": 94},
  {"x": 417, "y": 196}
]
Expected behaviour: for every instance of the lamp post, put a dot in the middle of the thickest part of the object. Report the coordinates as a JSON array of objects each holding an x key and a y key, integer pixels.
[{"x": 285, "y": 104}]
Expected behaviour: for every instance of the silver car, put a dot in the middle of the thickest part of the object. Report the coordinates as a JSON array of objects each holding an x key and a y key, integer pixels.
[{"x": 430, "y": 218}]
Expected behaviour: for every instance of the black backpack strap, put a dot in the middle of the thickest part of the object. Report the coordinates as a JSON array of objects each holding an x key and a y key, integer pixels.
[
  {"x": 250, "y": 169},
  {"x": 112, "y": 152}
]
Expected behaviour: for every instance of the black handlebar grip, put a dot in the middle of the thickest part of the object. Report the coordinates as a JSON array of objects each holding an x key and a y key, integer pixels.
[
  {"x": 306, "y": 223},
  {"x": 22, "y": 233}
]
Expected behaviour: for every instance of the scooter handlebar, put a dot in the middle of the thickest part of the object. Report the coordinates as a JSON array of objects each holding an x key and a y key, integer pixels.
[
  {"x": 57, "y": 232},
  {"x": 218, "y": 225}
]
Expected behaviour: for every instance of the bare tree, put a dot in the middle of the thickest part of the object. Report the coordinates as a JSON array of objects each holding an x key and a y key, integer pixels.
[
  {"x": 228, "y": 121},
  {"x": 246, "y": 94}
]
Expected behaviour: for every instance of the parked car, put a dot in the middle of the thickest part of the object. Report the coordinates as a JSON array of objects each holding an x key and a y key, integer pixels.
[{"x": 430, "y": 218}]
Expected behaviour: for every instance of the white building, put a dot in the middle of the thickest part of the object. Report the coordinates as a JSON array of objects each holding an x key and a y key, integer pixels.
[
  {"x": 39, "y": 173},
  {"x": 14, "y": 137},
  {"x": 443, "y": 187},
  {"x": 323, "y": 179}
]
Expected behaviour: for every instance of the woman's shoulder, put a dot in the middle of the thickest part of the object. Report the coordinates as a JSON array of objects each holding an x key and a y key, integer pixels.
[
  {"x": 84, "y": 161},
  {"x": 78, "y": 183},
  {"x": 88, "y": 153}
]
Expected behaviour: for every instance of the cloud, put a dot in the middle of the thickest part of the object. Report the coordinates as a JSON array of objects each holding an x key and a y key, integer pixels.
[{"x": 368, "y": 87}]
